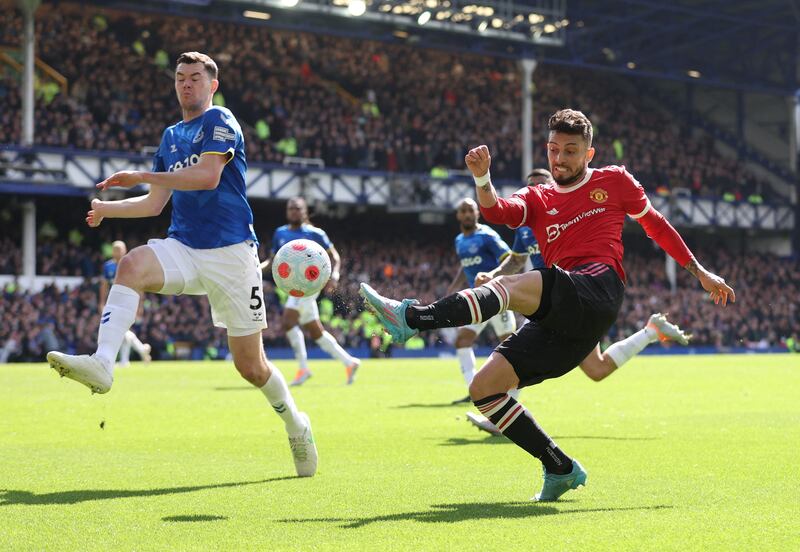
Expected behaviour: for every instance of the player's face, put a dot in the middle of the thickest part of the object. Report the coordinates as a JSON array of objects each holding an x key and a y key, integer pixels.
[
  {"x": 568, "y": 156},
  {"x": 117, "y": 252},
  {"x": 467, "y": 216},
  {"x": 295, "y": 212},
  {"x": 193, "y": 86}
]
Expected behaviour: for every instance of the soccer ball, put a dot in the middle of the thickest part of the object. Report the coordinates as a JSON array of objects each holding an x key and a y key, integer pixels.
[{"x": 301, "y": 268}]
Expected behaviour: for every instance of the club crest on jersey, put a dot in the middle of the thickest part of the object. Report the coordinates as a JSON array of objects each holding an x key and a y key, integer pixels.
[
  {"x": 598, "y": 195},
  {"x": 198, "y": 137}
]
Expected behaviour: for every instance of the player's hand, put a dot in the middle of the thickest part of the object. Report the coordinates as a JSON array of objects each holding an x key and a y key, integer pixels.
[
  {"x": 478, "y": 160},
  {"x": 122, "y": 179},
  {"x": 94, "y": 217},
  {"x": 482, "y": 278},
  {"x": 716, "y": 287}
]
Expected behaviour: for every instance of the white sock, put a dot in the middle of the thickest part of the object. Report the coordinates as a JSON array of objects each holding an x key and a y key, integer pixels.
[
  {"x": 125, "y": 349},
  {"x": 328, "y": 344},
  {"x": 280, "y": 398},
  {"x": 118, "y": 316},
  {"x": 135, "y": 342},
  {"x": 514, "y": 393},
  {"x": 466, "y": 359},
  {"x": 298, "y": 342},
  {"x": 622, "y": 351}
]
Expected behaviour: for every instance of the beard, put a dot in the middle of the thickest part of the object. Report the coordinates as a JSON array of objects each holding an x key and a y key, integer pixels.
[{"x": 569, "y": 180}]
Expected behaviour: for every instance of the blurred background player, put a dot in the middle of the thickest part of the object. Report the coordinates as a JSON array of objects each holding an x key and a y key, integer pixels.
[
  {"x": 479, "y": 248},
  {"x": 118, "y": 250},
  {"x": 211, "y": 249},
  {"x": 302, "y": 312}
]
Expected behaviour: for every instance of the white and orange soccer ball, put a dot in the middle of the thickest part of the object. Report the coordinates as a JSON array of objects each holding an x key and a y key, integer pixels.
[{"x": 301, "y": 268}]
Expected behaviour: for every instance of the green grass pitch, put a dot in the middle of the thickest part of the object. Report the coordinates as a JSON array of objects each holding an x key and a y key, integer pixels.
[{"x": 683, "y": 453}]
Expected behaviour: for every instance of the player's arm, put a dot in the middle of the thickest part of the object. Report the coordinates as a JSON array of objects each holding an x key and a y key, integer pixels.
[
  {"x": 664, "y": 234},
  {"x": 148, "y": 205},
  {"x": 511, "y": 212},
  {"x": 336, "y": 263},
  {"x": 459, "y": 281},
  {"x": 266, "y": 264},
  {"x": 204, "y": 175},
  {"x": 512, "y": 264}
]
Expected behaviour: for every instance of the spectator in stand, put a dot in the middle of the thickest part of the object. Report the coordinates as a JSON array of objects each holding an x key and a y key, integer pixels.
[{"x": 357, "y": 104}]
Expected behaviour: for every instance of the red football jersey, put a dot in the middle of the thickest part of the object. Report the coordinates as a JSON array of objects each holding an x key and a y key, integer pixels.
[{"x": 583, "y": 223}]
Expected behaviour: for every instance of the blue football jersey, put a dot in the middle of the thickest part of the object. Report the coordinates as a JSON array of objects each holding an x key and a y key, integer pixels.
[
  {"x": 205, "y": 219},
  {"x": 285, "y": 233},
  {"x": 525, "y": 244},
  {"x": 110, "y": 270},
  {"x": 481, "y": 251}
]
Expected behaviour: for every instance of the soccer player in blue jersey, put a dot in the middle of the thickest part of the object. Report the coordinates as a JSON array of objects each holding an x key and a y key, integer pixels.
[
  {"x": 302, "y": 311},
  {"x": 211, "y": 248},
  {"x": 118, "y": 250},
  {"x": 479, "y": 249}
]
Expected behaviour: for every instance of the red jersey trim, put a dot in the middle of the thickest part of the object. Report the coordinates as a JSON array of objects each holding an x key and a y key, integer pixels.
[{"x": 561, "y": 190}]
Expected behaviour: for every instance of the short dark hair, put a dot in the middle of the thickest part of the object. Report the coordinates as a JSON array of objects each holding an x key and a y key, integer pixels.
[
  {"x": 571, "y": 121},
  {"x": 539, "y": 172},
  {"x": 196, "y": 57}
]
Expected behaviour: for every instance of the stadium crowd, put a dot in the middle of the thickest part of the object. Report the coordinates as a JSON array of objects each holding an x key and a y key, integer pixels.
[
  {"x": 67, "y": 319},
  {"x": 357, "y": 104}
]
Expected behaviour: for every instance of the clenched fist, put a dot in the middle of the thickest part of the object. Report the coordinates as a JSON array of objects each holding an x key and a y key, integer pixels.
[{"x": 478, "y": 160}]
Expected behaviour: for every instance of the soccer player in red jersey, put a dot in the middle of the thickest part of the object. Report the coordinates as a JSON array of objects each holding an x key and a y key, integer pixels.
[{"x": 571, "y": 304}]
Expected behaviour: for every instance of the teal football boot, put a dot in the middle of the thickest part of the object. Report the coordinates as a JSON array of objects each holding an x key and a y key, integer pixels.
[
  {"x": 556, "y": 485},
  {"x": 390, "y": 313}
]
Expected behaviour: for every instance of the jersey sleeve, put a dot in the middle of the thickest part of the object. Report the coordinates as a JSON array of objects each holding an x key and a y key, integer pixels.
[
  {"x": 220, "y": 134},
  {"x": 325, "y": 240},
  {"x": 109, "y": 270},
  {"x": 634, "y": 198},
  {"x": 158, "y": 158},
  {"x": 497, "y": 246}
]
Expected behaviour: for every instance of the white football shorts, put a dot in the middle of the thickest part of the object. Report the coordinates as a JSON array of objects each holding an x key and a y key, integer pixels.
[
  {"x": 502, "y": 323},
  {"x": 230, "y": 276},
  {"x": 306, "y": 306}
]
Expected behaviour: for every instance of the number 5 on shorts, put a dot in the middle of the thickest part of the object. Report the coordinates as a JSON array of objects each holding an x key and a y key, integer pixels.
[{"x": 255, "y": 295}]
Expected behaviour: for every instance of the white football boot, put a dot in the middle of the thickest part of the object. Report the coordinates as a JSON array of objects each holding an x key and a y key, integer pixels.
[
  {"x": 483, "y": 423},
  {"x": 666, "y": 330},
  {"x": 304, "y": 450},
  {"x": 85, "y": 369}
]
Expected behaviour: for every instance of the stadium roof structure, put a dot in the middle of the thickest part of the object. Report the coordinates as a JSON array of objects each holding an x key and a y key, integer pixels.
[{"x": 750, "y": 45}]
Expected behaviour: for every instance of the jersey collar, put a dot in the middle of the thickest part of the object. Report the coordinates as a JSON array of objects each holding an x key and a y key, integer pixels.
[{"x": 583, "y": 181}]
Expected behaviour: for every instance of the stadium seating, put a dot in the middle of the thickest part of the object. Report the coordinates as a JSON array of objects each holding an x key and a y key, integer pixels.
[{"x": 367, "y": 105}]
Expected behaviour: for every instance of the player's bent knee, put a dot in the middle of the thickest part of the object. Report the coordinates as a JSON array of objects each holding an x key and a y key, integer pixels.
[{"x": 254, "y": 372}]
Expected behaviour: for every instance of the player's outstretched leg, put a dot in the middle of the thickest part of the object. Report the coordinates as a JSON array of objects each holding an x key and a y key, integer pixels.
[
  {"x": 404, "y": 319},
  {"x": 298, "y": 342},
  {"x": 658, "y": 328},
  {"x": 328, "y": 343},
  {"x": 561, "y": 473},
  {"x": 138, "y": 271},
  {"x": 142, "y": 349},
  {"x": 252, "y": 364}
]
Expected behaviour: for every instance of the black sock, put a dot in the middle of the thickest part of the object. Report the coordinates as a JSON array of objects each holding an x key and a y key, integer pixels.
[
  {"x": 516, "y": 423},
  {"x": 469, "y": 306}
]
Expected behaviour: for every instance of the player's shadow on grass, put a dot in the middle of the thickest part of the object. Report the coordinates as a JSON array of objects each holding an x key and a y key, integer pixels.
[
  {"x": 453, "y": 513},
  {"x": 431, "y": 405},
  {"x": 11, "y": 497},
  {"x": 193, "y": 518},
  {"x": 500, "y": 440}
]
